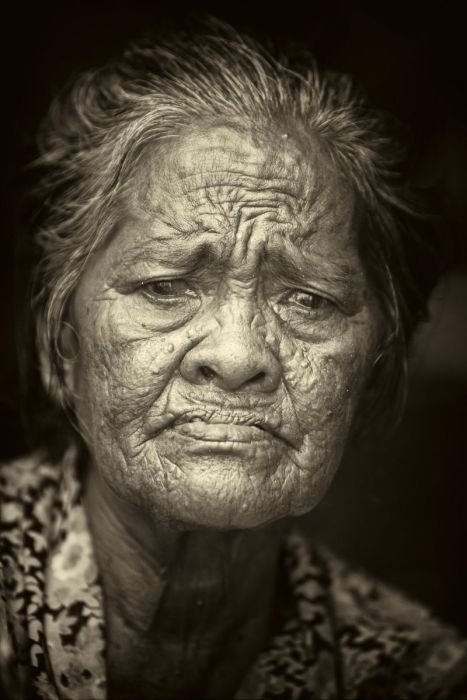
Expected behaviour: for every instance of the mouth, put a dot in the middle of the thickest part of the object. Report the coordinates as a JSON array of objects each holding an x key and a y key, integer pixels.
[
  {"x": 235, "y": 427},
  {"x": 224, "y": 432}
]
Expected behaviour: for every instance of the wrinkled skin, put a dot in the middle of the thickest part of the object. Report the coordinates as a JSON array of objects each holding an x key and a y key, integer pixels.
[
  {"x": 225, "y": 334},
  {"x": 225, "y": 331}
]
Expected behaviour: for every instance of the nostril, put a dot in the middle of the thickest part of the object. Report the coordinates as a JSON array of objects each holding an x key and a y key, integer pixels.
[
  {"x": 257, "y": 378},
  {"x": 206, "y": 372}
]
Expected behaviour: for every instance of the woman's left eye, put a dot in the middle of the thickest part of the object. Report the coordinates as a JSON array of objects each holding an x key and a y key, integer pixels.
[
  {"x": 308, "y": 300},
  {"x": 169, "y": 289}
]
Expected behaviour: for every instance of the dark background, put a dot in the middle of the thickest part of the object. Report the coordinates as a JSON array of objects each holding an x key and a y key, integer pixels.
[{"x": 399, "y": 506}]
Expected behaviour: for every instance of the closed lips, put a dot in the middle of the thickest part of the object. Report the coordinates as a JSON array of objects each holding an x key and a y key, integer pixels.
[{"x": 223, "y": 432}]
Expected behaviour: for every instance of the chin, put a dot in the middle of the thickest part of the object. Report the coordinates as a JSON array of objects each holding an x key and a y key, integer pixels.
[
  {"x": 225, "y": 489},
  {"x": 225, "y": 495}
]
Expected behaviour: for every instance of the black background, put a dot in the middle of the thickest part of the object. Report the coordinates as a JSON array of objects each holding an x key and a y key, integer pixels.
[{"x": 397, "y": 507}]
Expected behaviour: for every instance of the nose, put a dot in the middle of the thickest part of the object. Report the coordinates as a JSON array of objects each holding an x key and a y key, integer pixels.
[{"x": 234, "y": 357}]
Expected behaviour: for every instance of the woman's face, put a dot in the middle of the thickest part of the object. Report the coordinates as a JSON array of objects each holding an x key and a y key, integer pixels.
[{"x": 226, "y": 331}]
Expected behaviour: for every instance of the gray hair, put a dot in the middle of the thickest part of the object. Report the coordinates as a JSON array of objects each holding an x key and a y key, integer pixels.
[{"x": 96, "y": 132}]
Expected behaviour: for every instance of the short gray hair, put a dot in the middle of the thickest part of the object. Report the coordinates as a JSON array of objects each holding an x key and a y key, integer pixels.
[{"x": 96, "y": 132}]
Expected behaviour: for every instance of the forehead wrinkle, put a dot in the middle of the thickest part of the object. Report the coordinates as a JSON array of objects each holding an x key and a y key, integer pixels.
[
  {"x": 210, "y": 220},
  {"x": 242, "y": 182},
  {"x": 236, "y": 211},
  {"x": 306, "y": 214},
  {"x": 251, "y": 182},
  {"x": 154, "y": 212},
  {"x": 191, "y": 171},
  {"x": 242, "y": 192},
  {"x": 221, "y": 205},
  {"x": 193, "y": 194}
]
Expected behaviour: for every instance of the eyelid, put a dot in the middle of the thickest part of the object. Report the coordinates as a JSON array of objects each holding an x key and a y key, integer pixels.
[
  {"x": 158, "y": 280},
  {"x": 154, "y": 280},
  {"x": 316, "y": 293},
  {"x": 348, "y": 306}
]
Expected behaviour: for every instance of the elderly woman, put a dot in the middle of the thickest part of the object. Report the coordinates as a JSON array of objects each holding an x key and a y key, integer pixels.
[{"x": 224, "y": 298}]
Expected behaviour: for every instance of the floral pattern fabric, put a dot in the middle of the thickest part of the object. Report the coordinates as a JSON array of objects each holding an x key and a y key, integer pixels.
[{"x": 348, "y": 636}]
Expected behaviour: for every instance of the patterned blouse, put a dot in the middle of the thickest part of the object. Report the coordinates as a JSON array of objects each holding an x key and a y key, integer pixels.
[{"x": 347, "y": 636}]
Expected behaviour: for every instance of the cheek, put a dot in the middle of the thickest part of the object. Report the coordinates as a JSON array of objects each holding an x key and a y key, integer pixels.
[
  {"x": 325, "y": 380},
  {"x": 324, "y": 383},
  {"x": 123, "y": 368},
  {"x": 320, "y": 379}
]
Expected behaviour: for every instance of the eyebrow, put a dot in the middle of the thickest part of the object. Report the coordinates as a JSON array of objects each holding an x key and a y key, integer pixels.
[
  {"x": 291, "y": 266},
  {"x": 301, "y": 270},
  {"x": 176, "y": 256}
]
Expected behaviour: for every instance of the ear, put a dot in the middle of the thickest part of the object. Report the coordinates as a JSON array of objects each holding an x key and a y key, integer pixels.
[{"x": 60, "y": 386}]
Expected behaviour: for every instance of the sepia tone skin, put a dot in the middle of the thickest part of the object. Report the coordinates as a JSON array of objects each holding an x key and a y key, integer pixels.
[{"x": 225, "y": 333}]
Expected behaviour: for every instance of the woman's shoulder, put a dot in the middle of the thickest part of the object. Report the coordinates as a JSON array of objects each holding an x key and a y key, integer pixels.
[
  {"x": 387, "y": 641},
  {"x": 22, "y": 476},
  {"x": 28, "y": 487}
]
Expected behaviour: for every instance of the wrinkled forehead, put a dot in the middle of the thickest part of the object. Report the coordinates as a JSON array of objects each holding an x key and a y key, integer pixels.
[{"x": 211, "y": 179}]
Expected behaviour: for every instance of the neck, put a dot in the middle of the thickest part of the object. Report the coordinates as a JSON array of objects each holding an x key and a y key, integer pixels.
[{"x": 187, "y": 592}]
